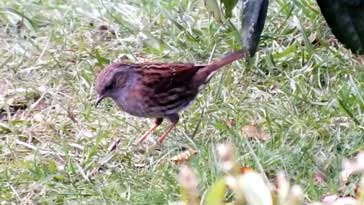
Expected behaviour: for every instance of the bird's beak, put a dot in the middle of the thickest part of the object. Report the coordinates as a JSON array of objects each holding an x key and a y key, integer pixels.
[{"x": 99, "y": 99}]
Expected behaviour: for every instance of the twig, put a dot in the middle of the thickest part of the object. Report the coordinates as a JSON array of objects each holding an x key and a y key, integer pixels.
[{"x": 16, "y": 193}]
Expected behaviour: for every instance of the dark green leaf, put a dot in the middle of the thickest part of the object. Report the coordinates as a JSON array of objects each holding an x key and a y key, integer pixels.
[
  {"x": 253, "y": 18},
  {"x": 346, "y": 20}
]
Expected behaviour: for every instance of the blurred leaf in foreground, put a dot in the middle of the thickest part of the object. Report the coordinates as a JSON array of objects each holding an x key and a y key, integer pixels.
[{"x": 252, "y": 23}]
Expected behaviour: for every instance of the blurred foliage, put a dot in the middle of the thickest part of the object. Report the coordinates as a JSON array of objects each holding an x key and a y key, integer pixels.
[{"x": 252, "y": 188}]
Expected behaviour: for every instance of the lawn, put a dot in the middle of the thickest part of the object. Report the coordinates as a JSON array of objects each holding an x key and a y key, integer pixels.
[{"x": 303, "y": 88}]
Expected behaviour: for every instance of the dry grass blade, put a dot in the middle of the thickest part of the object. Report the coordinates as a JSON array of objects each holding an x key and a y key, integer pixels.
[
  {"x": 184, "y": 156},
  {"x": 254, "y": 131}
]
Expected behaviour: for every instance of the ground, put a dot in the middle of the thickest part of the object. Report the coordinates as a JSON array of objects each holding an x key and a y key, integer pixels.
[{"x": 303, "y": 89}]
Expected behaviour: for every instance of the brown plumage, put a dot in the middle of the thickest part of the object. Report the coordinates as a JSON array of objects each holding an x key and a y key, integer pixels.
[{"x": 156, "y": 90}]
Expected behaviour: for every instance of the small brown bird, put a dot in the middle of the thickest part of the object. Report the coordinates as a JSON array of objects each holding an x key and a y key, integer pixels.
[{"x": 156, "y": 90}]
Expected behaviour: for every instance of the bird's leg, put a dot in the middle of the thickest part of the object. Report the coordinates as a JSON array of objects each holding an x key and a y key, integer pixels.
[
  {"x": 157, "y": 122},
  {"x": 174, "y": 120}
]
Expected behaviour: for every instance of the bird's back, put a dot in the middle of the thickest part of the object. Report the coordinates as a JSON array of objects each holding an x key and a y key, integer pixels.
[{"x": 165, "y": 88}]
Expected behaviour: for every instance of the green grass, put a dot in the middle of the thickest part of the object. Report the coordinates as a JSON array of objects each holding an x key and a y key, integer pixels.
[{"x": 303, "y": 87}]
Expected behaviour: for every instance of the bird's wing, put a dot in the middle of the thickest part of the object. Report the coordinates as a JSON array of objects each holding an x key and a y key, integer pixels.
[
  {"x": 166, "y": 88},
  {"x": 163, "y": 77}
]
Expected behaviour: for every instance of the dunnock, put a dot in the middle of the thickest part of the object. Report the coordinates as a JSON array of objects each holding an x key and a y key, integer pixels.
[{"x": 156, "y": 90}]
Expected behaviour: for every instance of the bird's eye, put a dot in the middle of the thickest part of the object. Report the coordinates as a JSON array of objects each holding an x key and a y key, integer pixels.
[{"x": 109, "y": 87}]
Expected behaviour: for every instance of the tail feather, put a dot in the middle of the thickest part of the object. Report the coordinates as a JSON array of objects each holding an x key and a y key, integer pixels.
[{"x": 204, "y": 73}]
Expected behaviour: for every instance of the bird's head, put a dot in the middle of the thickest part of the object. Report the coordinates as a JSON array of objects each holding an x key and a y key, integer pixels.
[{"x": 110, "y": 80}]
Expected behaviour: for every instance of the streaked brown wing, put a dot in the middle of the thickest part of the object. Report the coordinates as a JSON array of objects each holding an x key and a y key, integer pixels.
[
  {"x": 163, "y": 77},
  {"x": 169, "y": 86}
]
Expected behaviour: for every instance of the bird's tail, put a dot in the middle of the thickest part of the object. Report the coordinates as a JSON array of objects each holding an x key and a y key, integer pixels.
[{"x": 205, "y": 73}]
